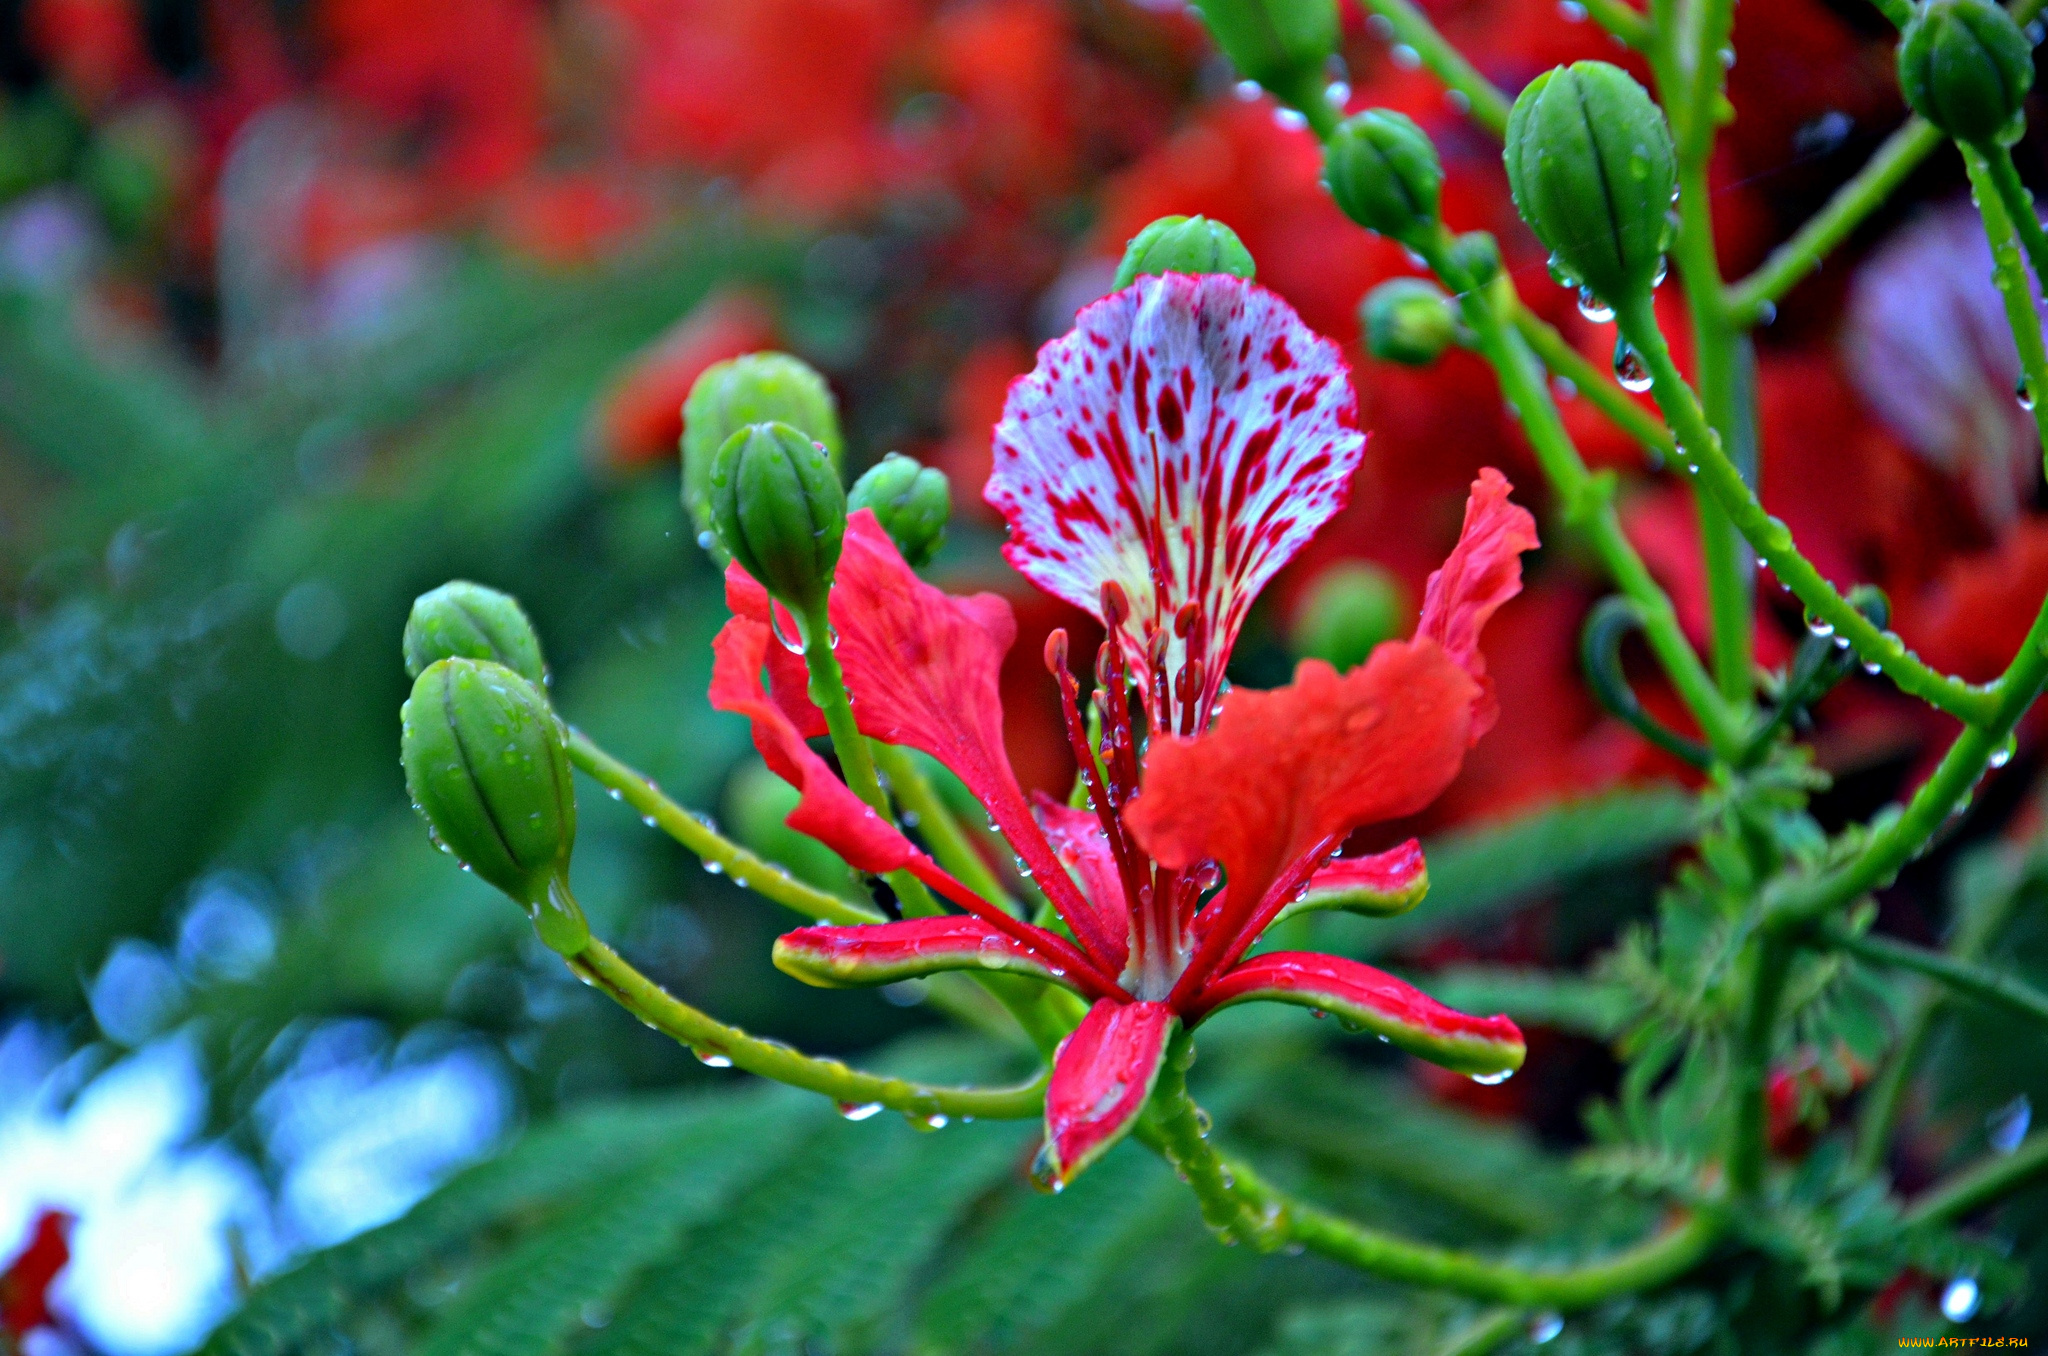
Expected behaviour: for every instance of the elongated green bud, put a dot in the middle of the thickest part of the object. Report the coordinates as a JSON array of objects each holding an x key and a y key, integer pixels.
[
  {"x": 912, "y": 502},
  {"x": 1384, "y": 173},
  {"x": 777, "y": 506},
  {"x": 473, "y": 622},
  {"x": 1590, "y": 162},
  {"x": 1965, "y": 66},
  {"x": 750, "y": 390},
  {"x": 1350, "y": 608},
  {"x": 1408, "y": 321},
  {"x": 487, "y": 763},
  {"x": 1184, "y": 245},
  {"x": 1284, "y": 45}
]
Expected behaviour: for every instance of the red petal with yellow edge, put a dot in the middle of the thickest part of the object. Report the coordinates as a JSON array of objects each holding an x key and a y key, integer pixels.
[
  {"x": 1101, "y": 1077},
  {"x": 1375, "y": 1001},
  {"x": 883, "y": 953},
  {"x": 1380, "y": 885}
]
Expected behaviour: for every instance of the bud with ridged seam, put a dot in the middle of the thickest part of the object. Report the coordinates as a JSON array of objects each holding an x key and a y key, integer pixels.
[
  {"x": 469, "y": 621},
  {"x": 1591, "y": 165},
  {"x": 487, "y": 763},
  {"x": 778, "y": 509},
  {"x": 1384, "y": 173},
  {"x": 749, "y": 390},
  {"x": 911, "y": 501},
  {"x": 1965, "y": 66},
  {"x": 1184, "y": 245},
  {"x": 1408, "y": 321}
]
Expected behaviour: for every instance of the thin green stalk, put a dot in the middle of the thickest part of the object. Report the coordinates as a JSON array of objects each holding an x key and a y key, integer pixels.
[
  {"x": 2006, "y": 230},
  {"x": 1750, "y": 1120},
  {"x": 1235, "y": 1201},
  {"x": 1485, "y": 104},
  {"x": 1713, "y": 22},
  {"x": 1982, "y": 1184},
  {"x": 2019, "y": 206},
  {"x": 605, "y": 969},
  {"x": 1700, "y": 451},
  {"x": 1624, "y": 21},
  {"x": 1588, "y": 505},
  {"x": 1485, "y": 1333},
  {"x": 743, "y": 867},
  {"x": 1968, "y": 978},
  {"x": 1592, "y": 381},
  {"x": 941, "y": 829}
]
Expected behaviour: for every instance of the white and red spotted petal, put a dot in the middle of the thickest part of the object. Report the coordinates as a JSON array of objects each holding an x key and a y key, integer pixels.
[{"x": 1183, "y": 442}]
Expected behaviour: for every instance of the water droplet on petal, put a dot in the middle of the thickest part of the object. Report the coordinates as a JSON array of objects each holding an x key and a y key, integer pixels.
[
  {"x": 1493, "y": 1079},
  {"x": 1248, "y": 90},
  {"x": 1404, "y": 56},
  {"x": 1289, "y": 119},
  {"x": 1571, "y": 11}
]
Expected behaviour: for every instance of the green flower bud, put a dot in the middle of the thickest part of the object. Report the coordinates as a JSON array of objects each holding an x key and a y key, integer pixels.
[
  {"x": 1184, "y": 245},
  {"x": 777, "y": 508},
  {"x": 1965, "y": 66},
  {"x": 1408, "y": 321},
  {"x": 1590, "y": 162},
  {"x": 749, "y": 390},
  {"x": 912, "y": 502},
  {"x": 1284, "y": 45},
  {"x": 1384, "y": 173},
  {"x": 1473, "y": 258},
  {"x": 1350, "y": 608},
  {"x": 473, "y": 622},
  {"x": 487, "y": 763}
]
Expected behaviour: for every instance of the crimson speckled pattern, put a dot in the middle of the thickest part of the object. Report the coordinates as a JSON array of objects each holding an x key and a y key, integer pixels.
[{"x": 1184, "y": 441}]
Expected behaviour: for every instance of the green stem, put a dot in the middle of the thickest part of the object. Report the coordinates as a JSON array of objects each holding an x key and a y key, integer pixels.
[
  {"x": 1700, "y": 450},
  {"x": 941, "y": 829},
  {"x": 1966, "y": 977},
  {"x": 1750, "y": 300},
  {"x": 605, "y": 969},
  {"x": 1713, "y": 23},
  {"x": 1982, "y": 1184},
  {"x": 1900, "y": 12},
  {"x": 1729, "y": 569},
  {"x": 1588, "y": 506},
  {"x": 1749, "y": 1121},
  {"x": 1624, "y": 21},
  {"x": 1485, "y": 104},
  {"x": 2018, "y": 204},
  {"x": 1235, "y": 1201},
  {"x": 2009, "y": 222},
  {"x": 743, "y": 867},
  {"x": 1594, "y": 383},
  {"x": 1485, "y": 1333}
]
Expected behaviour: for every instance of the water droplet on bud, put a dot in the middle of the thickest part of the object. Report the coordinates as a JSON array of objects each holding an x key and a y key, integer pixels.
[{"x": 1594, "y": 309}]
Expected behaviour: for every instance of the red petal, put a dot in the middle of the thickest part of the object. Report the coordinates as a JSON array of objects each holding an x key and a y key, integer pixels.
[
  {"x": 789, "y": 679},
  {"x": 1079, "y": 843},
  {"x": 25, "y": 1284},
  {"x": 1381, "y": 885},
  {"x": 882, "y": 953},
  {"x": 1101, "y": 1077},
  {"x": 828, "y": 812},
  {"x": 1483, "y": 571},
  {"x": 1373, "y": 999},
  {"x": 1286, "y": 774},
  {"x": 922, "y": 668},
  {"x": 1184, "y": 441}
]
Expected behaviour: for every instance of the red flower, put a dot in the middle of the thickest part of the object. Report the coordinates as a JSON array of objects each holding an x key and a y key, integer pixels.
[
  {"x": 1156, "y": 468},
  {"x": 639, "y": 419},
  {"x": 25, "y": 1285}
]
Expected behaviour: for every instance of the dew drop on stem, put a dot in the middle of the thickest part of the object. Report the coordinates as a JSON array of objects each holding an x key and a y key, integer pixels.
[
  {"x": 2023, "y": 393},
  {"x": 1959, "y": 1299},
  {"x": 1628, "y": 367},
  {"x": 1594, "y": 309},
  {"x": 859, "y": 1111},
  {"x": 2006, "y": 1128},
  {"x": 1545, "y": 1327}
]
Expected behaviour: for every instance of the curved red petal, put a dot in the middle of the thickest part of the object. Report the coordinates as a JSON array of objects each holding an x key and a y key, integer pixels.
[
  {"x": 1483, "y": 571},
  {"x": 1101, "y": 1077},
  {"x": 883, "y": 953},
  {"x": 1360, "y": 996},
  {"x": 1283, "y": 773},
  {"x": 789, "y": 680},
  {"x": 1081, "y": 846},
  {"x": 829, "y": 811},
  {"x": 1183, "y": 442},
  {"x": 1381, "y": 884},
  {"x": 922, "y": 667}
]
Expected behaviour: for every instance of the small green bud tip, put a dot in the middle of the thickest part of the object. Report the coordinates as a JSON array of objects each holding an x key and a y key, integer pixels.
[
  {"x": 1473, "y": 259},
  {"x": 1590, "y": 163},
  {"x": 1349, "y": 609},
  {"x": 472, "y": 622},
  {"x": 749, "y": 390},
  {"x": 1284, "y": 45},
  {"x": 487, "y": 763},
  {"x": 1408, "y": 321},
  {"x": 912, "y": 502},
  {"x": 1965, "y": 66},
  {"x": 777, "y": 507},
  {"x": 1184, "y": 245},
  {"x": 1384, "y": 173}
]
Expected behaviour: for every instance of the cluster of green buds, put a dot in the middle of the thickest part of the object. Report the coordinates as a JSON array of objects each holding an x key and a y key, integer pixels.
[
  {"x": 756, "y": 389},
  {"x": 486, "y": 758},
  {"x": 1966, "y": 67}
]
